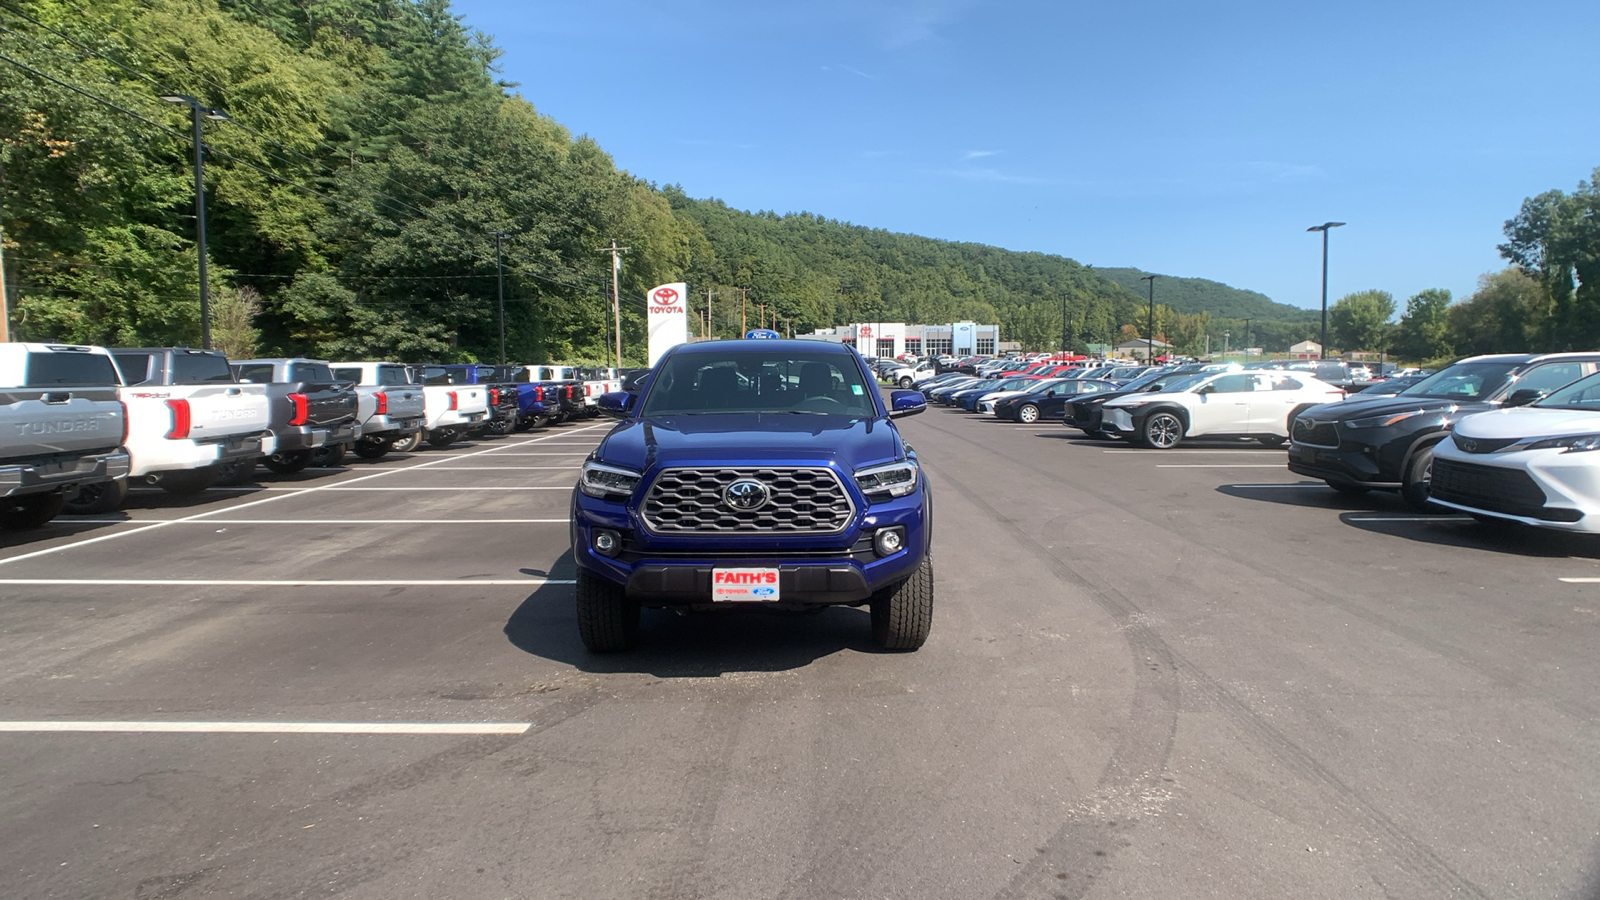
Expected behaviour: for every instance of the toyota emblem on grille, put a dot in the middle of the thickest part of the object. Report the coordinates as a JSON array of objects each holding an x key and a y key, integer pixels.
[
  {"x": 1468, "y": 444},
  {"x": 746, "y": 495}
]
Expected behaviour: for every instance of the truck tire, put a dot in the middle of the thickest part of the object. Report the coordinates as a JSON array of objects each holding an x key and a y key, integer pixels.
[
  {"x": 608, "y": 622},
  {"x": 1162, "y": 430},
  {"x": 30, "y": 510},
  {"x": 237, "y": 471},
  {"x": 500, "y": 427},
  {"x": 902, "y": 615},
  {"x": 288, "y": 462},
  {"x": 443, "y": 438},
  {"x": 531, "y": 423},
  {"x": 188, "y": 481},
  {"x": 1416, "y": 479},
  {"x": 100, "y": 497},
  {"x": 327, "y": 456},
  {"x": 372, "y": 448},
  {"x": 407, "y": 444}
]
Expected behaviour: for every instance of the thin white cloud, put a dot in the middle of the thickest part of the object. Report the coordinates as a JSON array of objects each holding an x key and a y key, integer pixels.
[
  {"x": 994, "y": 175},
  {"x": 978, "y": 154},
  {"x": 855, "y": 71}
]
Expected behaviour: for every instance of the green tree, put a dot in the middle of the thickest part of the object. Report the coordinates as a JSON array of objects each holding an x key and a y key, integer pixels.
[
  {"x": 1555, "y": 238},
  {"x": 1424, "y": 329},
  {"x": 1360, "y": 321},
  {"x": 1500, "y": 316}
]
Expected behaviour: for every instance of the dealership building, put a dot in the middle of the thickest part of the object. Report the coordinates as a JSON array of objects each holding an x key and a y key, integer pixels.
[{"x": 888, "y": 339}]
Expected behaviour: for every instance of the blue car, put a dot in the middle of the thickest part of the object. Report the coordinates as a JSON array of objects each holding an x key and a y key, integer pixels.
[{"x": 754, "y": 474}]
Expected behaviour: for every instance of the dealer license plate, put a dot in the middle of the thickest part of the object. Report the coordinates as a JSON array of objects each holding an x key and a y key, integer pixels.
[{"x": 744, "y": 585}]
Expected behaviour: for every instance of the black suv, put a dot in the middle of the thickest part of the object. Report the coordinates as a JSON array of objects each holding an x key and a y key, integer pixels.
[{"x": 1387, "y": 442}]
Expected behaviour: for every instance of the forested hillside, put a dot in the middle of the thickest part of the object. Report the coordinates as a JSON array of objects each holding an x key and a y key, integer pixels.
[{"x": 369, "y": 161}]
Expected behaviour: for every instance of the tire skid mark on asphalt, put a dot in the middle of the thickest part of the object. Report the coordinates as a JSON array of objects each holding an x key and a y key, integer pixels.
[
  {"x": 295, "y": 493},
  {"x": 1397, "y": 842},
  {"x": 333, "y": 873},
  {"x": 1134, "y": 780},
  {"x": 706, "y": 788}
]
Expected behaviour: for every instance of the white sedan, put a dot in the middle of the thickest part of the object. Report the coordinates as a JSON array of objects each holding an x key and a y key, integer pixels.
[
  {"x": 1258, "y": 404},
  {"x": 1534, "y": 464}
]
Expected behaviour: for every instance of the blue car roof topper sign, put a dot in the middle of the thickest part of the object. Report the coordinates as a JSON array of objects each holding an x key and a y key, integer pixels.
[{"x": 762, "y": 334}]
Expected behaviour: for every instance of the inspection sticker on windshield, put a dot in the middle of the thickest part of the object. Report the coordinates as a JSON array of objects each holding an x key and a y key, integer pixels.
[{"x": 744, "y": 585}]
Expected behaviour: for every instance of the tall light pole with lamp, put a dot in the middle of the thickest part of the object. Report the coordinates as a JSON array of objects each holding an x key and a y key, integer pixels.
[
  {"x": 199, "y": 112},
  {"x": 1325, "y": 227},
  {"x": 1150, "y": 328}
]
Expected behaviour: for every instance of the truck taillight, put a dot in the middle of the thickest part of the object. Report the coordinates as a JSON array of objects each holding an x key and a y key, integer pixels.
[
  {"x": 538, "y": 394},
  {"x": 302, "y": 409},
  {"x": 494, "y": 396},
  {"x": 383, "y": 404},
  {"x": 124, "y": 441},
  {"x": 180, "y": 420},
  {"x": 454, "y": 403}
]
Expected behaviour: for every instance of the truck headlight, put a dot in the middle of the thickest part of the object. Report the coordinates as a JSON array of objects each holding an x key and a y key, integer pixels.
[
  {"x": 895, "y": 479},
  {"x": 1572, "y": 443},
  {"x": 607, "y": 482},
  {"x": 1383, "y": 421}
]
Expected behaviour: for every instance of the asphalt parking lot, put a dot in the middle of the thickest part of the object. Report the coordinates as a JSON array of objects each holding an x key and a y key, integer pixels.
[{"x": 1151, "y": 674}]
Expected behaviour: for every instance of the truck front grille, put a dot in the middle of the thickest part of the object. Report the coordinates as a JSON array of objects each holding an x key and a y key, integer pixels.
[
  {"x": 1496, "y": 489},
  {"x": 801, "y": 501},
  {"x": 1315, "y": 433}
]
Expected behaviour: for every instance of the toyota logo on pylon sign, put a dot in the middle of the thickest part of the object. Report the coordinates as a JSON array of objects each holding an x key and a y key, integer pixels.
[
  {"x": 666, "y": 295},
  {"x": 866, "y": 331}
]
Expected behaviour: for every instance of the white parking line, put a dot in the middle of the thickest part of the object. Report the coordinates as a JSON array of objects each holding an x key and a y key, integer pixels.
[
  {"x": 273, "y": 582},
  {"x": 528, "y": 453},
  {"x": 1222, "y": 466},
  {"x": 503, "y": 468},
  {"x": 1297, "y": 484},
  {"x": 514, "y": 487},
  {"x": 1409, "y": 519},
  {"x": 272, "y": 727},
  {"x": 69, "y": 520},
  {"x": 279, "y": 496},
  {"x": 1188, "y": 451}
]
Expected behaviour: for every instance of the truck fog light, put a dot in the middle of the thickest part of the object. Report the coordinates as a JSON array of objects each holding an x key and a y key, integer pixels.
[
  {"x": 889, "y": 541},
  {"x": 606, "y": 543}
]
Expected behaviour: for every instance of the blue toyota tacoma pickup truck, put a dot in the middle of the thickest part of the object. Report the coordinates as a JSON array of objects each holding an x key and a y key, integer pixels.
[{"x": 754, "y": 474}]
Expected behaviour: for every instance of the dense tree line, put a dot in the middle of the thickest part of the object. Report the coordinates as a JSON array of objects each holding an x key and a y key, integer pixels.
[{"x": 373, "y": 156}]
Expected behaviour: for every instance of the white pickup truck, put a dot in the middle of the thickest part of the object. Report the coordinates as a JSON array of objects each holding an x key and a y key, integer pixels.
[
  {"x": 452, "y": 410},
  {"x": 61, "y": 428},
  {"x": 187, "y": 420},
  {"x": 390, "y": 407}
]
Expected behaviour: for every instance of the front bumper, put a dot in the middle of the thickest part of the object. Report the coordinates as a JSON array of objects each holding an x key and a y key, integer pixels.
[
  {"x": 1542, "y": 488},
  {"x": 812, "y": 570},
  {"x": 37, "y": 476}
]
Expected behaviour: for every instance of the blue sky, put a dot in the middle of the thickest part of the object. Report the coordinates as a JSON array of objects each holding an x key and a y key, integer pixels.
[{"x": 1183, "y": 138}]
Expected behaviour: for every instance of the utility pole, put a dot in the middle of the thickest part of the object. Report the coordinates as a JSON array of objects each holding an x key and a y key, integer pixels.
[
  {"x": 199, "y": 113},
  {"x": 743, "y": 325},
  {"x": 1150, "y": 329},
  {"x": 1247, "y": 341},
  {"x": 500, "y": 274},
  {"x": 616, "y": 296},
  {"x": 707, "y": 332},
  {"x": 5, "y": 304}
]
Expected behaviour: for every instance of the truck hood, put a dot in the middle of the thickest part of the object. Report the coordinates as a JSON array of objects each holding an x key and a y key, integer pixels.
[
  {"x": 849, "y": 441},
  {"x": 1524, "y": 422}
]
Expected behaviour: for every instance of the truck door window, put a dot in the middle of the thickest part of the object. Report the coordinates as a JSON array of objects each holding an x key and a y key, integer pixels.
[
  {"x": 393, "y": 375},
  {"x": 254, "y": 373},
  {"x": 200, "y": 368},
  {"x": 135, "y": 367},
  {"x": 348, "y": 374},
  {"x": 71, "y": 369},
  {"x": 311, "y": 372},
  {"x": 1547, "y": 378}
]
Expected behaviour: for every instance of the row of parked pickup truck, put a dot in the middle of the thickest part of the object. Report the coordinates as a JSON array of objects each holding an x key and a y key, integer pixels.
[{"x": 79, "y": 425}]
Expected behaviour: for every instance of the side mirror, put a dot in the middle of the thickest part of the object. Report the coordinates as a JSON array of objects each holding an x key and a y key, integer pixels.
[
  {"x": 1523, "y": 397},
  {"x": 615, "y": 403},
  {"x": 1207, "y": 389},
  {"x": 906, "y": 403}
]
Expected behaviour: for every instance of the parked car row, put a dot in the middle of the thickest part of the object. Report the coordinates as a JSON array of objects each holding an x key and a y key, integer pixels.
[{"x": 81, "y": 424}]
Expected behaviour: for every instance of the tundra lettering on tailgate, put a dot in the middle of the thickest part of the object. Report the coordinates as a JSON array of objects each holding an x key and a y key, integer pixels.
[{"x": 65, "y": 426}]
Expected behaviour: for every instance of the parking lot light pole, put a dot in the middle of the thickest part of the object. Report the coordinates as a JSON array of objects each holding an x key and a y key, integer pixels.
[
  {"x": 1325, "y": 227},
  {"x": 500, "y": 274},
  {"x": 1150, "y": 327},
  {"x": 199, "y": 112}
]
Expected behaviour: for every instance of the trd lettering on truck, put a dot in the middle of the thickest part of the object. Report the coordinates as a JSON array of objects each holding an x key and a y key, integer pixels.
[{"x": 58, "y": 427}]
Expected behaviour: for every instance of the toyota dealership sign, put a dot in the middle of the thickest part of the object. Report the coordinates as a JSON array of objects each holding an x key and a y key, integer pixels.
[{"x": 667, "y": 317}]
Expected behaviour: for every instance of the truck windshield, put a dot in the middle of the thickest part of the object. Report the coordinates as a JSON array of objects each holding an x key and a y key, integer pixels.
[
  {"x": 1464, "y": 381},
  {"x": 200, "y": 368},
  {"x": 310, "y": 372},
  {"x": 756, "y": 381},
  {"x": 71, "y": 368}
]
